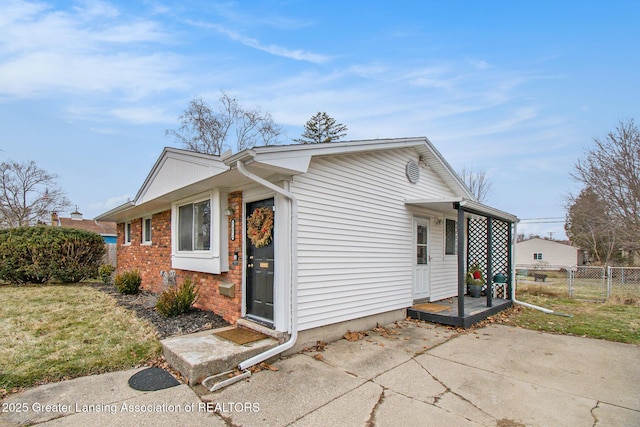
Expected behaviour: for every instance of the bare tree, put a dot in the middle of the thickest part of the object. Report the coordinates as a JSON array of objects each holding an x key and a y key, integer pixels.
[
  {"x": 322, "y": 128},
  {"x": 29, "y": 194},
  {"x": 612, "y": 170},
  {"x": 589, "y": 227},
  {"x": 208, "y": 131},
  {"x": 478, "y": 182}
]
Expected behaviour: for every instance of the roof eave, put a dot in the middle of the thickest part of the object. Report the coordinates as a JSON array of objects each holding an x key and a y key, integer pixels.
[{"x": 113, "y": 213}]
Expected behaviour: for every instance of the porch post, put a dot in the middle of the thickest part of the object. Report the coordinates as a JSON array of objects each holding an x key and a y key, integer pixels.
[
  {"x": 462, "y": 231},
  {"x": 489, "y": 262},
  {"x": 510, "y": 246}
]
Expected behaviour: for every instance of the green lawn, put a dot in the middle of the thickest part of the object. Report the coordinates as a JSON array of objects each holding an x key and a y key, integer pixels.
[
  {"x": 53, "y": 332},
  {"x": 618, "y": 319}
]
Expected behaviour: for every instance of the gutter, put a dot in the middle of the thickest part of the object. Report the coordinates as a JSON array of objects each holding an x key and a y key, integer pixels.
[{"x": 293, "y": 289}]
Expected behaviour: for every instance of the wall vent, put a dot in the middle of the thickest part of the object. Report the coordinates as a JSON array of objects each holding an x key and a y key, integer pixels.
[{"x": 413, "y": 172}]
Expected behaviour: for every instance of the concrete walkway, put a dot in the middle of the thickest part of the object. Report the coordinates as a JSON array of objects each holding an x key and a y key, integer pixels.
[{"x": 411, "y": 374}]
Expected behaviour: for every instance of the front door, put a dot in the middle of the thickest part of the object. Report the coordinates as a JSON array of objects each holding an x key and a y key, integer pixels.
[
  {"x": 259, "y": 226},
  {"x": 421, "y": 258}
]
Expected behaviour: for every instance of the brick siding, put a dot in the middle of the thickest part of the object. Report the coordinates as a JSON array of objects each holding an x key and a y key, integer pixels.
[{"x": 149, "y": 260}]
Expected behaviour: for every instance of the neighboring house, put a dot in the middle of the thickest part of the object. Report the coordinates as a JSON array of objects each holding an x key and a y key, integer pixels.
[
  {"x": 548, "y": 254},
  {"x": 302, "y": 237},
  {"x": 106, "y": 229}
]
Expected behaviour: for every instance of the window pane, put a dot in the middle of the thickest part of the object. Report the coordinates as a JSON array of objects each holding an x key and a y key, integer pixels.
[
  {"x": 127, "y": 232},
  {"x": 422, "y": 254},
  {"x": 147, "y": 230},
  {"x": 422, "y": 235},
  {"x": 202, "y": 225},
  {"x": 450, "y": 237},
  {"x": 185, "y": 228}
]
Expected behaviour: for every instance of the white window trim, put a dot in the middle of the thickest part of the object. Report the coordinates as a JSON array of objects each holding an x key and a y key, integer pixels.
[
  {"x": 144, "y": 229},
  {"x": 127, "y": 233},
  {"x": 206, "y": 261}
]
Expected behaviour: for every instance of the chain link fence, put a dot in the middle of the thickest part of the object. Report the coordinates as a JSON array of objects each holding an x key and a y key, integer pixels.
[
  {"x": 623, "y": 281},
  {"x": 588, "y": 283}
]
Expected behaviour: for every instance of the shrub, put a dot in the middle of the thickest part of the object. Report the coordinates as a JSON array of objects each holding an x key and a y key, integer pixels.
[
  {"x": 106, "y": 273},
  {"x": 39, "y": 254},
  {"x": 177, "y": 300},
  {"x": 128, "y": 283}
]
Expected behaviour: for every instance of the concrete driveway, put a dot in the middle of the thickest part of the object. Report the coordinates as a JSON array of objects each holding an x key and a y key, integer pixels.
[{"x": 410, "y": 374}]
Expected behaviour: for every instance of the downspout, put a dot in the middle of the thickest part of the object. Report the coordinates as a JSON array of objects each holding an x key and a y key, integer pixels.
[
  {"x": 513, "y": 281},
  {"x": 293, "y": 282},
  {"x": 293, "y": 297}
]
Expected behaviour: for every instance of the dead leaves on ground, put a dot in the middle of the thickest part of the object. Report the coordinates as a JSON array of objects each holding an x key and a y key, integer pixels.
[
  {"x": 384, "y": 332},
  {"x": 355, "y": 336},
  {"x": 262, "y": 367},
  {"x": 380, "y": 330},
  {"x": 320, "y": 345}
]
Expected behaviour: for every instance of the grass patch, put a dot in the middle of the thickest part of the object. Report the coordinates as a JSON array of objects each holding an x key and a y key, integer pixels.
[
  {"x": 55, "y": 332},
  {"x": 618, "y": 319}
]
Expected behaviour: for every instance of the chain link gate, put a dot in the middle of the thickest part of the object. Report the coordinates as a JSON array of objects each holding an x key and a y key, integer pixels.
[{"x": 587, "y": 283}]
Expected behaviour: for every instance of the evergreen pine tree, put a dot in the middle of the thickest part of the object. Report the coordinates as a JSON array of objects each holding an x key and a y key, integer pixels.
[{"x": 321, "y": 128}]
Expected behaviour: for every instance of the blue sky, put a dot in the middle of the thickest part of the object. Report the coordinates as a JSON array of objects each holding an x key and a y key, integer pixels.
[{"x": 518, "y": 89}]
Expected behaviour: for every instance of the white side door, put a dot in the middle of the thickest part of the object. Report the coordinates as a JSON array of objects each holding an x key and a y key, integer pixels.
[{"x": 420, "y": 258}]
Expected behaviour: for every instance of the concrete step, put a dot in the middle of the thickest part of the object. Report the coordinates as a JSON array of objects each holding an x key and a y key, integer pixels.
[{"x": 197, "y": 356}]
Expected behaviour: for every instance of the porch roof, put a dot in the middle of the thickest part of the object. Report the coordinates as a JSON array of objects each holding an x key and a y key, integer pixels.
[{"x": 471, "y": 206}]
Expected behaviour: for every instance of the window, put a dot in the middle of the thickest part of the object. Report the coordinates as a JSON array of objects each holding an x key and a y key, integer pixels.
[
  {"x": 198, "y": 234},
  {"x": 421, "y": 245},
  {"x": 127, "y": 233},
  {"x": 194, "y": 226},
  {"x": 146, "y": 230},
  {"x": 537, "y": 256},
  {"x": 450, "y": 237}
]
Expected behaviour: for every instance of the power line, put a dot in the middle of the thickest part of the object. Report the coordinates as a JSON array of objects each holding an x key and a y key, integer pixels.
[
  {"x": 553, "y": 220},
  {"x": 553, "y": 217}
]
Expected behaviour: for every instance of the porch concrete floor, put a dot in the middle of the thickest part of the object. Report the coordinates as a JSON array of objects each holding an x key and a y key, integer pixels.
[
  {"x": 475, "y": 310},
  {"x": 197, "y": 356}
]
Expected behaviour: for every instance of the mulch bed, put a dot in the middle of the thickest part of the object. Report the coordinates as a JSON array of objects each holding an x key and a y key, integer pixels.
[{"x": 143, "y": 304}]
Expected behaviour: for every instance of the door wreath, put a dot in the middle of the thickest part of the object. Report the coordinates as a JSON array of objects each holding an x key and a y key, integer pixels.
[{"x": 260, "y": 226}]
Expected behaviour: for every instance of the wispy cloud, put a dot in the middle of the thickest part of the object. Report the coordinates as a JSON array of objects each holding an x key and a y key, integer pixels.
[
  {"x": 90, "y": 48},
  {"x": 110, "y": 203},
  {"x": 273, "y": 49},
  {"x": 143, "y": 115}
]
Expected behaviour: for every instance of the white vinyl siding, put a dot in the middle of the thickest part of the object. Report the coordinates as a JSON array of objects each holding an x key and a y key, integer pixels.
[
  {"x": 444, "y": 268},
  {"x": 355, "y": 235}
]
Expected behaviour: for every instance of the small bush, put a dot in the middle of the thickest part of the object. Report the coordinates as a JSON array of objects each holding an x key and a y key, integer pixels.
[
  {"x": 177, "y": 300},
  {"x": 106, "y": 273},
  {"x": 39, "y": 254},
  {"x": 128, "y": 283}
]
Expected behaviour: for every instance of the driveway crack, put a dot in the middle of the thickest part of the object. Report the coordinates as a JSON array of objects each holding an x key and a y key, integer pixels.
[
  {"x": 371, "y": 422},
  {"x": 595, "y": 418},
  {"x": 448, "y": 389}
]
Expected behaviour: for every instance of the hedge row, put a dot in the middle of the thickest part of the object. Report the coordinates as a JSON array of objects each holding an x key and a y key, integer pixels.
[{"x": 40, "y": 254}]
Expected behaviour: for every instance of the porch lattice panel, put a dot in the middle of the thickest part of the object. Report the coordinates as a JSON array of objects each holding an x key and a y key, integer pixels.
[{"x": 478, "y": 247}]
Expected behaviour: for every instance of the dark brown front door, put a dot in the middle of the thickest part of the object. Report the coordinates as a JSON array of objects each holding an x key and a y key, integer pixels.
[{"x": 260, "y": 256}]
